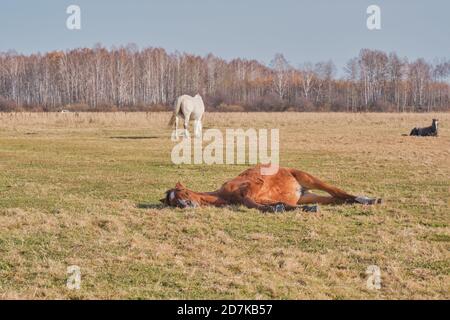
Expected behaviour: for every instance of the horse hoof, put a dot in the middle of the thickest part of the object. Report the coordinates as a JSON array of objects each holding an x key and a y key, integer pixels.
[
  {"x": 313, "y": 209},
  {"x": 174, "y": 137},
  {"x": 368, "y": 201},
  {"x": 279, "y": 208}
]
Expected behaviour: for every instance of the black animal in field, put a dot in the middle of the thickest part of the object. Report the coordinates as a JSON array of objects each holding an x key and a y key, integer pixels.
[{"x": 428, "y": 131}]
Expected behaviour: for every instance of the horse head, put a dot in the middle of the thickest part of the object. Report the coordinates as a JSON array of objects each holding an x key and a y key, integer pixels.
[
  {"x": 435, "y": 124},
  {"x": 180, "y": 197}
]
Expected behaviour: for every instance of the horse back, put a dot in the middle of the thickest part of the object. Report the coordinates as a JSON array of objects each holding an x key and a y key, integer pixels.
[{"x": 192, "y": 105}]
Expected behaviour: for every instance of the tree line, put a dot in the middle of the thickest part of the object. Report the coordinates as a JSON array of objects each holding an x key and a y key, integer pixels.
[{"x": 127, "y": 78}]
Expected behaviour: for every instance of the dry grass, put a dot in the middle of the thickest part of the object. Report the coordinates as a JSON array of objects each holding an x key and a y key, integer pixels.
[{"x": 83, "y": 190}]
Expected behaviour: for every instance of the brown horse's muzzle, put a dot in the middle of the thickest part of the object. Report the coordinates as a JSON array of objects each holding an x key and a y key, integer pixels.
[{"x": 181, "y": 203}]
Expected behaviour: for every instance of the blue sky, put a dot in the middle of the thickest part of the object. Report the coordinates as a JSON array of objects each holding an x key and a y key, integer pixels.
[{"x": 303, "y": 30}]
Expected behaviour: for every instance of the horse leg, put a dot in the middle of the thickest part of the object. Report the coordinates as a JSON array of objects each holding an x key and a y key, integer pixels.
[
  {"x": 198, "y": 128},
  {"x": 311, "y": 198},
  {"x": 309, "y": 182},
  {"x": 186, "y": 125},
  {"x": 252, "y": 204},
  {"x": 267, "y": 207},
  {"x": 337, "y": 195},
  {"x": 176, "y": 127},
  {"x": 195, "y": 129}
]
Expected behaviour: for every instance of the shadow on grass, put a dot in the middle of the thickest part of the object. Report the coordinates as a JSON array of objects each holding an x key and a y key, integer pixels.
[
  {"x": 160, "y": 206},
  {"x": 134, "y": 137},
  {"x": 150, "y": 205},
  {"x": 234, "y": 208}
]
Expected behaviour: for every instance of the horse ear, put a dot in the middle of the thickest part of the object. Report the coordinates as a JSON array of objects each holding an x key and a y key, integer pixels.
[{"x": 179, "y": 186}]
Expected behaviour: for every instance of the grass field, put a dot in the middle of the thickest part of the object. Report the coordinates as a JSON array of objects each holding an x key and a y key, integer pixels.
[{"x": 83, "y": 190}]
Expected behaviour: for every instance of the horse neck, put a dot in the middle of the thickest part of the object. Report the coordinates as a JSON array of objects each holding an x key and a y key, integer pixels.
[{"x": 211, "y": 198}]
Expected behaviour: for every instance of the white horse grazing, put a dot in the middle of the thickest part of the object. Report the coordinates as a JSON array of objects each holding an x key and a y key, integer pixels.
[{"x": 187, "y": 106}]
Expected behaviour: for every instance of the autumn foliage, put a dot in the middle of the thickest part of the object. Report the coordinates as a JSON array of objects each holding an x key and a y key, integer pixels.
[{"x": 127, "y": 78}]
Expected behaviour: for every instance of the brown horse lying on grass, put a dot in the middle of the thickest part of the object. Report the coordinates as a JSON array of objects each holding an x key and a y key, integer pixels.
[{"x": 282, "y": 191}]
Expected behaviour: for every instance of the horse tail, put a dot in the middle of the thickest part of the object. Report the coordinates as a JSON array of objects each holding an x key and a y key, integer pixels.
[
  {"x": 175, "y": 112},
  {"x": 172, "y": 120}
]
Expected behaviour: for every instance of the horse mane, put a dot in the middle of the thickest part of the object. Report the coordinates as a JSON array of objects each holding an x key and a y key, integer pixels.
[{"x": 165, "y": 200}]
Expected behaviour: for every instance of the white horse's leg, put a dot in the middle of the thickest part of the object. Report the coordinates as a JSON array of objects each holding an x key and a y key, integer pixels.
[
  {"x": 186, "y": 125},
  {"x": 197, "y": 128},
  {"x": 176, "y": 127}
]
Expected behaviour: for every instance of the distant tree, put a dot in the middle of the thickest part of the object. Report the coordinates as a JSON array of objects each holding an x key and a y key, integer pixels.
[
  {"x": 395, "y": 79},
  {"x": 325, "y": 72},
  {"x": 307, "y": 75},
  {"x": 419, "y": 74},
  {"x": 281, "y": 69},
  {"x": 352, "y": 73}
]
